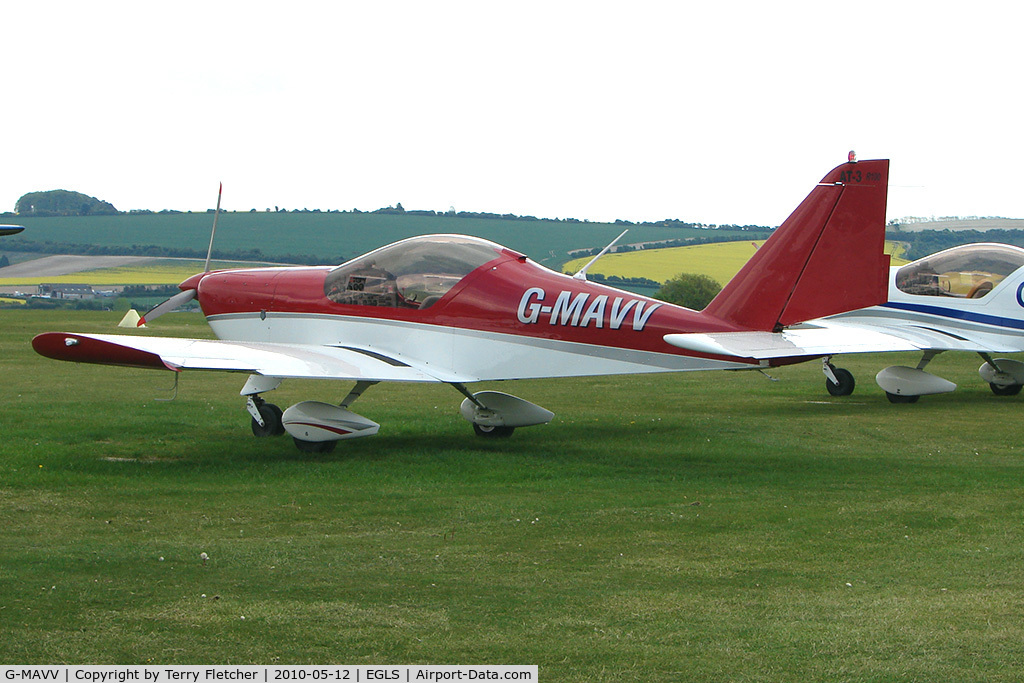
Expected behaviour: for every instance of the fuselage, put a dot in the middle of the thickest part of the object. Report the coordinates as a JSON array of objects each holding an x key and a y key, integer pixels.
[{"x": 506, "y": 318}]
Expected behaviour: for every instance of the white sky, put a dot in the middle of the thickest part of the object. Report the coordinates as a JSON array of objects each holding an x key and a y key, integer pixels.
[{"x": 715, "y": 112}]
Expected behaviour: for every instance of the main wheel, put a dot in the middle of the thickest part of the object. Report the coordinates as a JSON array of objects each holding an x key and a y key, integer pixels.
[
  {"x": 272, "y": 425},
  {"x": 901, "y": 398},
  {"x": 846, "y": 382},
  {"x": 1006, "y": 389},
  {"x": 314, "y": 446},
  {"x": 493, "y": 432}
]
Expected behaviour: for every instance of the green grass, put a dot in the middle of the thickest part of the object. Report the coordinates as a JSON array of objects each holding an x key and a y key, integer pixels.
[{"x": 704, "y": 526}]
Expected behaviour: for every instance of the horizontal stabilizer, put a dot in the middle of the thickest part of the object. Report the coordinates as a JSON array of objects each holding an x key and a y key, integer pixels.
[{"x": 791, "y": 343}]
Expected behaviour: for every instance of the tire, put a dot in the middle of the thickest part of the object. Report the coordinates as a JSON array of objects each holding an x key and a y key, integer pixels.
[
  {"x": 272, "y": 425},
  {"x": 314, "y": 446},
  {"x": 492, "y": 432},
  {"x": 846, "y": 383},
  {"x": 900, "y": 398},
  {"x": 1006, "y": 389}
]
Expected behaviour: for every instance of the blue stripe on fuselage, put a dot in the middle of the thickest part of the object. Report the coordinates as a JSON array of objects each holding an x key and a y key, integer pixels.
[{"x": 969, "y": 316}]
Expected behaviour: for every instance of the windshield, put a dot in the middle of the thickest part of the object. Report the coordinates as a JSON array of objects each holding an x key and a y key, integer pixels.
[
  {"x": 970, "y": 271},
  {"x": 413, "y": 273}
]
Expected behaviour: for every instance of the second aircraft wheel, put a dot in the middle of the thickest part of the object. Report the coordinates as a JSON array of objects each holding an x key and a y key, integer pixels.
[
  {"x": 314, "y": 446},
  {"x": 272, "y": 425},
  {"x": 901, "y": 398},
  {"x": 1006, "y": 389},
  {"x": 493, "y": 432}
]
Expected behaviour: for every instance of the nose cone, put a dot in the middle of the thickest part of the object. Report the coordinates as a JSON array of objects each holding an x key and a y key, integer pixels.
[{"x": 192, "y": 282}]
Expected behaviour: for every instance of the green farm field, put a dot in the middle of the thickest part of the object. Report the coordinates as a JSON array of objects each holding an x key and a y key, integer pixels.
[
  {"x": 701, "y": 526},
  {"x": 719, "y": 261}
]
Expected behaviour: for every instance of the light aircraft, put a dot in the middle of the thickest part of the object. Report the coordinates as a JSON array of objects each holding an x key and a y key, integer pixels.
[
  {"x": 968, "y": 298},
  {"x": 10, "y": 229},
  {"x": 459, "y": 310}
]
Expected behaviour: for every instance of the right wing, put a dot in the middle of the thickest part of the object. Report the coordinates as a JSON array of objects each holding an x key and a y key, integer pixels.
[
  {"x": 991, "y": 336},
  {"x": 274, "y": 360}
]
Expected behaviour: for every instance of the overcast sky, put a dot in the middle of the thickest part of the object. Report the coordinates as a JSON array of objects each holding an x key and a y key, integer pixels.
[{"x": 707, "y": 111}]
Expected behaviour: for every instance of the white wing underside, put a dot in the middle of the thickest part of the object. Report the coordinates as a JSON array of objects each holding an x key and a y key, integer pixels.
[{"x": 279, "y": 360}]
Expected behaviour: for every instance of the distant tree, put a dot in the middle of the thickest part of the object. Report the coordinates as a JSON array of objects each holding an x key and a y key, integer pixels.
[
  {"x": 62, "y": 203},
  {"x": 690, "y": 290}
]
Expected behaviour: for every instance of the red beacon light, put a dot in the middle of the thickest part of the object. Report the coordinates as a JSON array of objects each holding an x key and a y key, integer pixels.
[{"x": 852, "y": 157}]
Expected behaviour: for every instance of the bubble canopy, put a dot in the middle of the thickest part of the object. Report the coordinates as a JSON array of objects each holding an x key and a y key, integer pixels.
[
  {"x": 970, "y": 271},
  {"x": 413, "y": 273}
]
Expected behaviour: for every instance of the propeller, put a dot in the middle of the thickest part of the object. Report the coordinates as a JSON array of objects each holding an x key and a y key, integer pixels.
[
  {"x": 184, "y": 296},
  {"x": 177, "y": 300}
]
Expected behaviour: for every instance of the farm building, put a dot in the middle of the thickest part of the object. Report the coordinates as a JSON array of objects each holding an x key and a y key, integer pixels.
[{"x": 61, "y": 291}]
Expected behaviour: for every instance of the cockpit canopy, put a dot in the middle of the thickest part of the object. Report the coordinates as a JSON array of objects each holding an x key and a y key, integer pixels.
[
  {"x": 970, "y": 271},
  {"x": 413, "y": 273}
]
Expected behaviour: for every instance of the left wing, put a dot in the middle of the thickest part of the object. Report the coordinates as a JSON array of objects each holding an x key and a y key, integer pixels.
[{"x": 274, "y": 360}]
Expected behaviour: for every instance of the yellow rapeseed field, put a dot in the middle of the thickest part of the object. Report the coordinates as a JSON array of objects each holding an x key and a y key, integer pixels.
[
  {"x": 720, "y": 261},
  {"x": 155, "y": 274}
]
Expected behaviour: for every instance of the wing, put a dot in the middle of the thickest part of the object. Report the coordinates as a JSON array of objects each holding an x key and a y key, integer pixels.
[
  {"x": 823, "y": 339},
  {"x": 275, "y": 360},
  {"x": 991, "y": 335}
]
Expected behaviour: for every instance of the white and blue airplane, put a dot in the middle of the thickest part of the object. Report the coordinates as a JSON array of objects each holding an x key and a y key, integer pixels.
[{"x": 967, "y": 298}]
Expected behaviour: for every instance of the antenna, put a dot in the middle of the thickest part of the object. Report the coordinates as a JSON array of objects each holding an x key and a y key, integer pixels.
[
  {"x": 582, "y": 273},
  {"x": 209, "y": 251}
]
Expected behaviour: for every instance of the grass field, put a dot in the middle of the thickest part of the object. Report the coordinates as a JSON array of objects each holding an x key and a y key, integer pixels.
[
  {"x": 706, "y": 526},
  {"x": 719, "y": 261}
]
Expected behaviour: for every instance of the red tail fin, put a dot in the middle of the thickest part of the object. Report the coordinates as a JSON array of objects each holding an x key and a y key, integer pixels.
[{"x": 826, "y": 258}]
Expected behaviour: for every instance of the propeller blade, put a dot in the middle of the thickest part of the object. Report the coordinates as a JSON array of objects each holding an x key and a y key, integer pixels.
[
  {"x": 177, "y": 300},
  {"x": 216, "y": 214}
]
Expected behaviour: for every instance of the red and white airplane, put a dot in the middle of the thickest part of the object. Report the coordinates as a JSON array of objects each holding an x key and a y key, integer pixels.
[{"x": 460, "y": 310}]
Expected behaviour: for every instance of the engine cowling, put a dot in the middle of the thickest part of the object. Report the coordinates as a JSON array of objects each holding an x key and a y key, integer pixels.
[{"x": 317, "y": 421}]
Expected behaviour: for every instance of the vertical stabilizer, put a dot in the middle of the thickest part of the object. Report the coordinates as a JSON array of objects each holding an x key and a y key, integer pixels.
[{"x": 826, "y": 258}]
